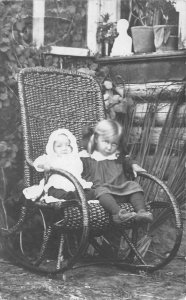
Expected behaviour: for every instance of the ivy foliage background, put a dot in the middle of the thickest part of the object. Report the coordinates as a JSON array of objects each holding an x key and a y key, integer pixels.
[{"x": 15, "y": 53}]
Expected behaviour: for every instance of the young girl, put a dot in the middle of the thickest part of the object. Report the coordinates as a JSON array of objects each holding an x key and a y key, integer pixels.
[
  {"x": 61, "y": 153},
  {"x": 110, "y": 170}
]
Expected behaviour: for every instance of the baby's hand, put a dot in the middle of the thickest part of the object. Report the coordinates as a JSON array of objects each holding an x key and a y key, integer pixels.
[
  {"x": 136, "y": 168},
  {"x": 45, "y": 166}
]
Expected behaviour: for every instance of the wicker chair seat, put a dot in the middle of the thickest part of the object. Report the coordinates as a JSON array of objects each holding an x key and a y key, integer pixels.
[{"x": 70, "y": 217}]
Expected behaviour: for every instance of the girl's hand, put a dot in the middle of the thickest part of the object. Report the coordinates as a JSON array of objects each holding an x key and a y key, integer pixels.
[{"x": 136, "y": 168}]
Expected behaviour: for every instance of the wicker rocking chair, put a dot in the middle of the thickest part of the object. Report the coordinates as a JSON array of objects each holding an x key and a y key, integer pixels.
[{"x": 54, "y": 237}]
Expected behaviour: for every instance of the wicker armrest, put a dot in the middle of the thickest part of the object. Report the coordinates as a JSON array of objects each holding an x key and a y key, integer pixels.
[{"x": 30, "y": 162}]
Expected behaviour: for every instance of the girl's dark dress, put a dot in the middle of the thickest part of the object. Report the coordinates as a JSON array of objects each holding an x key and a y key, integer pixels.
[{"x": 108, "y": 177}]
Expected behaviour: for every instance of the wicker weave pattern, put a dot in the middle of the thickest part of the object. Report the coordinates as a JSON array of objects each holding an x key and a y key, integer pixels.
[
  {"x": 99, "y": 220},
  {"x": 51, "y": 99}
]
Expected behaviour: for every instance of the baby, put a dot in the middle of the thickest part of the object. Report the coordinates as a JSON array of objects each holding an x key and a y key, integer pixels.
[{"x": 61, "y": 153}]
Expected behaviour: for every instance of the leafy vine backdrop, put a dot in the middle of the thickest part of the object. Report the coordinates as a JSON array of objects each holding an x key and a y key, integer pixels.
[{"x": 16, "y": 52}]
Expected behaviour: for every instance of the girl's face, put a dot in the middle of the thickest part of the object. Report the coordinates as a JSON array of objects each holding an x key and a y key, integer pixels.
[
  {"x": 62, "y": 145},
  {"x": 107, "y": 145}
]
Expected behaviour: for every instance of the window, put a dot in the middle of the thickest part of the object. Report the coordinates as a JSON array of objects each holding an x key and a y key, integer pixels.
[
  {"x": 70, "y": 26},
  {"x": 65, "y": 23}
]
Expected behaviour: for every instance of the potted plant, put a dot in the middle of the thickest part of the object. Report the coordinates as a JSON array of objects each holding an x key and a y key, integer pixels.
[
  {"x": 106, "y": 33},
  {"x": 140, "y": 18},
  {"x": 165, "y": 37},
  {"x": 144, "y": 16},
  {"x": 166, "y": 31}
]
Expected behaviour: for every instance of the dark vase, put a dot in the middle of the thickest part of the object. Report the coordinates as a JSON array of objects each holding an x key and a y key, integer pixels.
[{"x": 106, "y": 47}]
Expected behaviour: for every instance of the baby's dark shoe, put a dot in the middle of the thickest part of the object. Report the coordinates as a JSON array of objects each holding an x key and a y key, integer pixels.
[
  {"x": 123, "y": 216},
  {"x": 143, "y": 215}
]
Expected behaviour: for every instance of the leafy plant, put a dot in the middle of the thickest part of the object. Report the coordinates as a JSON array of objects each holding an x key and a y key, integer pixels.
[
  {"x": 153, "y": 12},
  {"x": 14, "y": 55},
  {"x": 106, "y": 30},
  {"x": 162, "y": 34},
  {"x": 118, "y": 102}
]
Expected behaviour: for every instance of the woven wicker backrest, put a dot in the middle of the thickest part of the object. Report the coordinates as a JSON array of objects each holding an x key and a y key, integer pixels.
[{"x": 52, "y": 99}]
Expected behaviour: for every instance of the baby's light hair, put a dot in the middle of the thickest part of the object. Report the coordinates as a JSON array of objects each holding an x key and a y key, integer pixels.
[{"x": 104, "y": 128}]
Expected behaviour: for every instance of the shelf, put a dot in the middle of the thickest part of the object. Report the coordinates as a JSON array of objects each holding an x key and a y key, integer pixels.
[
  {"x": 144, "y": 57},
  {"x": 150, "y": 67}
]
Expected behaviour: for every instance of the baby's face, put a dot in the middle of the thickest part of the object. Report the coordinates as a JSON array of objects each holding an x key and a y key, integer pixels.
[{"x": 62, "y": 145}]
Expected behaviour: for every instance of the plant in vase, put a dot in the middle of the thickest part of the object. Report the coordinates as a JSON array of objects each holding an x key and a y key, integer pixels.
[
  {"x": 145, "y": 15},
  {"x": 140, "y": 20},
  {"x": 151, "y": 12},
  {"x": 166, "y": 30},
  {"x": 106, "y": 33}
]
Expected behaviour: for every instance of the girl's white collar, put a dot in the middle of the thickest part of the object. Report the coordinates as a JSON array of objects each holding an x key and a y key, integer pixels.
[{"x": 99, "y": 157}]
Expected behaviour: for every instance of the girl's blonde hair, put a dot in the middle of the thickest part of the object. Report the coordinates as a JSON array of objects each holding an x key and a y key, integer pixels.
[{"x": 104, "y": 128}]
